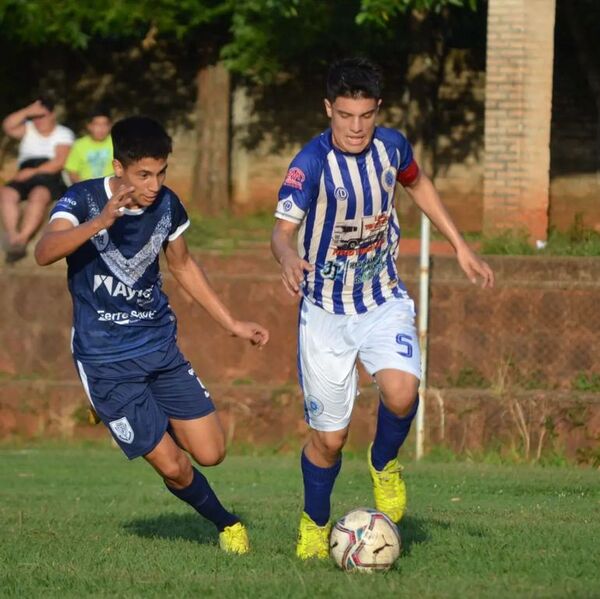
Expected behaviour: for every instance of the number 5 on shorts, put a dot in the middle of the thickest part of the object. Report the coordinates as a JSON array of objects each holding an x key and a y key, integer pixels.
[{"x": 404, "y": 341}]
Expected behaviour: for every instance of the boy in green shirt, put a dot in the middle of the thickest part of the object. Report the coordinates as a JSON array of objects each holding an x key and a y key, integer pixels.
[{"x": 91, "y": 155}]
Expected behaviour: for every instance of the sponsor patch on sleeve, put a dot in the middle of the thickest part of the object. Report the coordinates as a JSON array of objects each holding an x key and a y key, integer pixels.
[{"x": 295, "y": 178}]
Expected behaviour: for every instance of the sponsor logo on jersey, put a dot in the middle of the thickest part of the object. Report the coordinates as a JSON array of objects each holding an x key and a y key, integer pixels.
[
  {"x": 287, "y": 205},
  {"x": 126, "y": 317},
  {"x": 294, "y": 178},
  {"x": 66, "y": 201},
  {"x": 122, "y": 430},
  {"x": 116, "y": 288}
]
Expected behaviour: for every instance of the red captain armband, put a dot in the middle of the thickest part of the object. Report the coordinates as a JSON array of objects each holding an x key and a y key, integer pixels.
[{"x": 409, "y": 174}]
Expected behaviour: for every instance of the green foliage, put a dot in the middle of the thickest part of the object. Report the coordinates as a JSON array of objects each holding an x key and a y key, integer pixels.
[
  {"x": 381, "y": 12},
  {"x": 40, "y": 22},
  {"x": 587, "y": 382},
  {"x": 509, "y": 242},
  {"x": 229, "y": 232},
  {"x": 576, "y": 241},
  {"x": 110, "y": 528},
  {"x": 468, "y": 378}
]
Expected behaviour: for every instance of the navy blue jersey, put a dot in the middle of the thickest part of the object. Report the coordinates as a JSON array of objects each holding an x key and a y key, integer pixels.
[
  {"x": 119, "y": 308},
  {"x": 344, "y": 204}
]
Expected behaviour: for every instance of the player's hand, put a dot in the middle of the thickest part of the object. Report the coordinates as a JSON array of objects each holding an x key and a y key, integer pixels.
[
  {"x": 115, "y": 207},
  {"x": 256, "y": 334},
  {"x": 24, "y": 174},
  {"x": 474, "y": 267},
  {"x": 292, "y": 272},
  {"x": 36, "y": 109}
]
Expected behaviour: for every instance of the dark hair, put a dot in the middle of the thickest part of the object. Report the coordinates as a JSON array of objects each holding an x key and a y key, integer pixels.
[
  {"x": 138, "y": 137},
  {"x": 354, "y": 78},
  {"x": 97, "y": 110},
  {"x": 47, "y": 102}
]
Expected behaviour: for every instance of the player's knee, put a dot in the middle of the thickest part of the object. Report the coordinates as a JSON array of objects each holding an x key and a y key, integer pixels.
[
  {"x": 178, "y": 471},
  {"x": 331, "y": 444},
  {"x": 400, "y": 403},
  {"x": 212, "y": 456}
]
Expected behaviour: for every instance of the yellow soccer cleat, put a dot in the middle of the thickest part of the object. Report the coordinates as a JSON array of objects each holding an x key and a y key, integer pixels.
[
  {"x": 313, "y": 540},
  {"x": 388, "y": 488},
  {"x": 234, "y": 539}
]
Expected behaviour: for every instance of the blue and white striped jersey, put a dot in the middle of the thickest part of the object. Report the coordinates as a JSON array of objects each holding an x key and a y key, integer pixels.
[{"x": 344, "y": 204}]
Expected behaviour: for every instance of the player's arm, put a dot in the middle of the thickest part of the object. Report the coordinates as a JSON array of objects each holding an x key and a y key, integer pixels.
[
  {"x": 14, "y": 124},
  {"x": 192, "y": 278},
  {"x": 292, "y": 266},
  {"x": 50, "y": 167},
  {"x": 62, "y": 237},
  {"x": 425, "y": 195}
]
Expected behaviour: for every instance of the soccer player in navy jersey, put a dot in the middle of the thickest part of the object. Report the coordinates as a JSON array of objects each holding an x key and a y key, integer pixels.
[
  {"x": 111, "y": 231},
  {"x": 338, "y": 198}
]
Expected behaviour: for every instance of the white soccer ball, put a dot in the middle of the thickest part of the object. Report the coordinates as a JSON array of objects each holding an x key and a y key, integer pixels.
[{"x": 364, "y": 540}]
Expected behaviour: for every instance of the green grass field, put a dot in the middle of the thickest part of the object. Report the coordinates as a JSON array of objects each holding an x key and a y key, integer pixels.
[{"x": 81, "y": 521}]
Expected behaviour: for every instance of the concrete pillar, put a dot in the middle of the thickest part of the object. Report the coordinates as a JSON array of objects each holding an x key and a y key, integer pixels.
[{"x": 518, "y": 104}]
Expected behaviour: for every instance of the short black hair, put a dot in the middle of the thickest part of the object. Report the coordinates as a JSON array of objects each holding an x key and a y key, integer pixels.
[
  {"x": 354, "y": 78},
  {"x": 138, "y": 137},
  {"x": 47, "y": 102},
  {"x": 97, "y": 110}
]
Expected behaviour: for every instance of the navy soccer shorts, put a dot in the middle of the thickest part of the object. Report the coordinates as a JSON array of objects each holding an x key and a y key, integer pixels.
[{"x": 135, "y": 398}]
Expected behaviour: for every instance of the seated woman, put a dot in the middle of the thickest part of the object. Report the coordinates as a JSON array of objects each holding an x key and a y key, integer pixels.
[{"x": 43, "y": 150}]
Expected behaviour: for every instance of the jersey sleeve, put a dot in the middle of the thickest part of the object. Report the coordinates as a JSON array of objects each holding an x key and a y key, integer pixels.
[
  {"x": 408, "y": 171},
  {"x": 179, "y": 218},
  {"x": 71, "y": 206},
  {"x": 300, "y": 187}
]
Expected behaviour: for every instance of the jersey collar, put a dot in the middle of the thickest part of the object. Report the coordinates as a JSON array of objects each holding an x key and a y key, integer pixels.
[{"x": 128, "y": 211}]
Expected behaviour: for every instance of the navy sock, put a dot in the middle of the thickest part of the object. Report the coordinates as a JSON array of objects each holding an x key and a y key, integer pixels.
[
  {"x": 391, "y": 434},
  {"x": 318, "y": 485},
  {"x": 203, "y": 499}
]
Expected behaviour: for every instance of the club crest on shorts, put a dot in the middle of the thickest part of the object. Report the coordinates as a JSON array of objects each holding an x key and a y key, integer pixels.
[
  {"x": 122, "y": 430},
  {"x": 314, "y": 406}
]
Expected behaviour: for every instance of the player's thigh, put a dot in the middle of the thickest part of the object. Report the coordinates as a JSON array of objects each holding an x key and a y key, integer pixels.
[
  {"x": 389, "y": 339},
  {"x": 124, "y": 402},
  {"x": 175, "y": 385},
  {"x": 202, "y": 437},
  {"x": 326, "y": 368},
  {"x": 188, "y": 405}
]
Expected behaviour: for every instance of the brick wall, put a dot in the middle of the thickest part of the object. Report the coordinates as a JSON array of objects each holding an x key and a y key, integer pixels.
[{"x": 518, "y": 113}]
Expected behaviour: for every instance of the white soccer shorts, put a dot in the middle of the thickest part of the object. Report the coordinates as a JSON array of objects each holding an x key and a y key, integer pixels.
[{"x": 329, "y": 344}]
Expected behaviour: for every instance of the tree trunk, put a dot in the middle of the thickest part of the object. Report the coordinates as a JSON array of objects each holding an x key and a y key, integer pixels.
[
  {"x": 425, "y": 76},
  {"x": 211, "y": 190}
]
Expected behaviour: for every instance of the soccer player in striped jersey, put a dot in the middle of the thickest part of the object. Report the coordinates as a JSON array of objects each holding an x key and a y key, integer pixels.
[
  {"x": 338, "y": 199},
  {"x": 111, "y": 231}
]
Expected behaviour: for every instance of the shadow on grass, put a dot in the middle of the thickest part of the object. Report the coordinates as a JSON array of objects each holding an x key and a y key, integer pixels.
[
  {"x": 415, "y": 531},
  {"x": 190, "y": 527}
]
